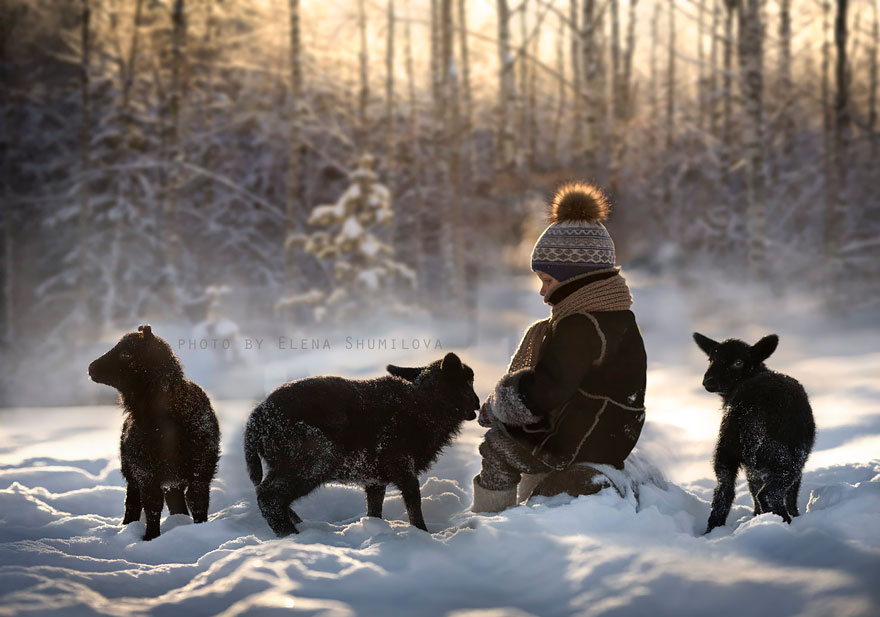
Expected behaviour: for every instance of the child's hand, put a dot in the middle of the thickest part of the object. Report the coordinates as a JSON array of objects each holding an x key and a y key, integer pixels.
[{"x": 486, "y": 419}]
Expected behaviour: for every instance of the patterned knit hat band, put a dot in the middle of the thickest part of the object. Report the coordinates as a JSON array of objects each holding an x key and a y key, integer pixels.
[{"x": 569, "y": 248}]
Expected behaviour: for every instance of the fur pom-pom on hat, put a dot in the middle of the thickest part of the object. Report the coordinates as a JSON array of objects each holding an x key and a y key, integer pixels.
[
  {"x": 576, "y": 241},
  {"x": 579, "y": 201}
]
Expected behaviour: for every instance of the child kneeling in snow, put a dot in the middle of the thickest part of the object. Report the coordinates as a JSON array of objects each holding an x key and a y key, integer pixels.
[{"x": 574, "y": 392}]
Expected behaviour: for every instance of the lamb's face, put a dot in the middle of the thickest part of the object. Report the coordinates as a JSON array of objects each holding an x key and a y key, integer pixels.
[
  {"x": 449, "y": 374},
  {"x": 138, "y": 358},
  {"x": 733, "y": 361}
]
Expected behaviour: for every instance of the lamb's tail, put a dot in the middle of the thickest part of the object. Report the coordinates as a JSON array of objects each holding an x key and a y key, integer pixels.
[{"x": 252, "y": 451}]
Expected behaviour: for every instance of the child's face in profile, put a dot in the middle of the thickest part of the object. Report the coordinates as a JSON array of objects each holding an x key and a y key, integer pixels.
[{"x": 547, "y": 282}]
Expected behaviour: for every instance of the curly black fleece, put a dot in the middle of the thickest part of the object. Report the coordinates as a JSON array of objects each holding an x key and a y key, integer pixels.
[
  {"x": 170, "y": 438},
  {"x": 370, "y": 432}
]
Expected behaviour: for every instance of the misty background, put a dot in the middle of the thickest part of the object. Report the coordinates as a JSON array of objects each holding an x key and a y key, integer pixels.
[{"x": 231, "y": 169}]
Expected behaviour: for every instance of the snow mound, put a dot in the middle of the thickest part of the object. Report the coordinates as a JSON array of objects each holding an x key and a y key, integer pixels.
[{"x": 63, "y": 550}]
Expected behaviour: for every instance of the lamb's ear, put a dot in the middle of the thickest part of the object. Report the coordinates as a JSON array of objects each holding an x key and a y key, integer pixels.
[
  {"x": 146, "y": 329},
  {"x": 451, "y": 365},
  {"x": 408, "y": 373},
  {"x": 705, "y": 343},
  {"x": 764, "y": 348}
]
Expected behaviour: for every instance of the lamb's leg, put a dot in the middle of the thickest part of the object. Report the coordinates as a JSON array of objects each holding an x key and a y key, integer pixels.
[
  {"x": 756, "y": 481},
  {"x": 722, "y": 498},
  {"x": 772, "y": 495},
  {"x": 412, "y": 498},
  {"x": 153, "y": 500},
  {"x": 275, "y": 494},
  {"x": 175, "y": 501},
  {"x": 375, "y": 498},
  {"x": 197, "y": 497},
  {"x": 791, "y": 498},
  {"x": 132, "y": 503},
  {"x": 274, "y": 497}
]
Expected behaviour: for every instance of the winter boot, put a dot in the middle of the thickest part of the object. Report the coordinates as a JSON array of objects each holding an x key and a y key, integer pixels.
[
  {"x": 489, "y": 501},
  {"x": 579, "y": 479}
]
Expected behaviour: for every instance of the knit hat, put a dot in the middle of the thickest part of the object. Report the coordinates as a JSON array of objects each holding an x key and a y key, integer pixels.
[{"x": 576, "y": 242}]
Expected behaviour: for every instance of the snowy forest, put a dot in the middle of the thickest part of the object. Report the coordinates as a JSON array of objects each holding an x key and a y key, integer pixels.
[
  {"x": 165, "y": 159},
  {"x": 287, "y": 189}
]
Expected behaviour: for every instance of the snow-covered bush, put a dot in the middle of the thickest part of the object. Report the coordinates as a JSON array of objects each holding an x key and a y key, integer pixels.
[{"x": 348, "y": 243}]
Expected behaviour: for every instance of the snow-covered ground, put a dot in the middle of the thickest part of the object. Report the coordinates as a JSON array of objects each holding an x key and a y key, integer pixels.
[{"x": 63, "y": 550}]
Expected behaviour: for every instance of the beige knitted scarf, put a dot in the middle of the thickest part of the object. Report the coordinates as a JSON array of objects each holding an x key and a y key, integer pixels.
[{"x": 610, "y": 294}]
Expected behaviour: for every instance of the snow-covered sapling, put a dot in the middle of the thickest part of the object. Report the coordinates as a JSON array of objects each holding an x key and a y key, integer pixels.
[
  {"x": 170, "y": 438},
  {"x": 767, "y": 427},
  {"x": 372, "y": 433}
]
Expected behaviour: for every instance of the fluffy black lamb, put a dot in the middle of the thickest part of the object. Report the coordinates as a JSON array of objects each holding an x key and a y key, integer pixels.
[
  {"x": 170, "y": 438},
  {"x": 767, "y": 427},
  {"x": 370, "y": 432}
]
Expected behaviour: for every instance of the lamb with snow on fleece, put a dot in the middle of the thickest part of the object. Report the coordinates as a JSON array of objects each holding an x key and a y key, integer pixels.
[
  {"x": 767, "y": 428},
  {"x": 369, "y": 432},
  {"x": 170, "y": 437}
]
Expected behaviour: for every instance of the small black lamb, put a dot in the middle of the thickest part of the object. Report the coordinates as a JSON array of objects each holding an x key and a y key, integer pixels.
[
  {"x": 370, "y": 432},
  {"x": 767, "y": 427},
  {"x": 170, "y": 437}
]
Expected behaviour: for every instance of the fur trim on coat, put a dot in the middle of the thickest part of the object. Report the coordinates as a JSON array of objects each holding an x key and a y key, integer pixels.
[{"x": 506, "y": 404}]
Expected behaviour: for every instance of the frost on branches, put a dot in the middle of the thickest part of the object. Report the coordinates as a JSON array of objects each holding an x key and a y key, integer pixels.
[{"x": 347, "y": 242}]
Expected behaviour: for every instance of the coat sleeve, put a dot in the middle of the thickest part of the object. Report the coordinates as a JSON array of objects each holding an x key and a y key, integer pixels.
[{"x": 526, "y": 396}]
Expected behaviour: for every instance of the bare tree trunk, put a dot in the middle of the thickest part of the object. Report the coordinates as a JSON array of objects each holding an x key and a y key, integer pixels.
[
  {"x": 531, "y": 106},
  {"x": 712, "y": 95},
  {"x": 391, "y": 148},
  {"x": 171, "y": 235},
  {"x": 751, "y": 42},
  {"x": 412, "y": 217},
  {"x": 621, "y": 69},
  {"x": 786, "y": 86},
  {"x": 467, "y": 96},
  {"x": 208, "y": 68},
  {"x": 560, "y": 95},
  {"x": 589, "y": 51},
  {"x": 364, "y": 91},
  {"x": 436, "y": 63},
  {"x": 601, "y": 78},
  {"x": 521, "y": 135},
  {"x": 123, "y": 197},
  {"x": 655, "y": 71},
  {"x": 727, "y": 116},
  {"x": 578, "y": 102},
  {"x": 507, "y": 89},
  {"x": 452, "y": 140},
  {"x": 670, "y": 98},
  {"x": 874, "y": 136},
  {"x": 85, "y": 153},
  {"x": 294, "y": 149},
  {"x": 835, "y": 218},
  {"x": 715, "y": 213},
  {"x": 701, "y": 69},
  {"x": 827, "y": 118},
  {"x": 615, "y": 63}
]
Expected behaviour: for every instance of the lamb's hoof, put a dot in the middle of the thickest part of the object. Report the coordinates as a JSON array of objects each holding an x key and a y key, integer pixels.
[
  {"x": 129, "y": 519},
  {"x": 150, "y": 535},
  {"x": 295, "y": 518},
  {"x": 283, "y": 533}
]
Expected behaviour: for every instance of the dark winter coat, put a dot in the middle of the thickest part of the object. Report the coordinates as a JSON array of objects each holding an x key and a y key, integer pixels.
[{"x": 585, "y": 396}]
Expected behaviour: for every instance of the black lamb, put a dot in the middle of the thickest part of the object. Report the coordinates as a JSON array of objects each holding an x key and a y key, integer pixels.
[
  {"x": 170, "y": 438},
  {"x": 370, "y": 432},
  {"x": 767, "y": 427}
]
